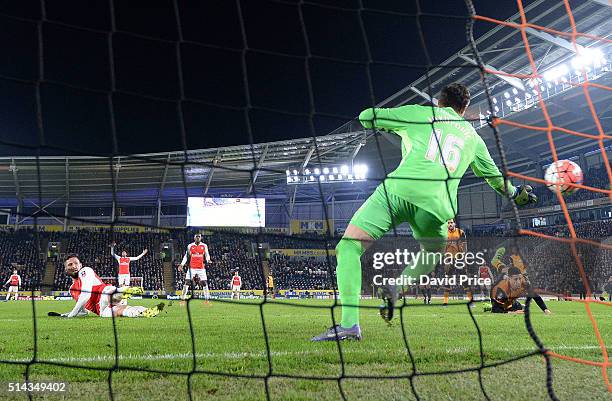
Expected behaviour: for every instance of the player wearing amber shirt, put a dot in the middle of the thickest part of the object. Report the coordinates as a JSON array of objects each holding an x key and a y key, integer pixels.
[
  {"x": 270, "y": 285},
  {"x": 456, "y": 239},
  {"x": 455, "y": 244},
  {"x": 198, "y": 257}
]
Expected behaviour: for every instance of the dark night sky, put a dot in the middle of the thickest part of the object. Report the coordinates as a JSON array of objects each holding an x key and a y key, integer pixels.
[{"x": 78, "y": 120}]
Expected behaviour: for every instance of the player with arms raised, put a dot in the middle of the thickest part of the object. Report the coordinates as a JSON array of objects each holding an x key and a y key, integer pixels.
[
  {"x": 439, "y": 145},
  {"x": 124, "y": 265},
  {"x": 93, "y": 295},
  {"x": 236, "y": 284},
  {"x": 14, "y": 282},
  {"x": 198, "y": 256}
]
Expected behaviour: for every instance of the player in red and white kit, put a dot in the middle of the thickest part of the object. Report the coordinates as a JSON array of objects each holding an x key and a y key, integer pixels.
[
  {"x": 198, "y": 256},
  {"x": 485, "y": 272},
  {"x": 124, "y": 265},
  {"x": 236, "y": 284},
  {"x": 14, "y": 282},
  {"x": 93, "y": 295}
]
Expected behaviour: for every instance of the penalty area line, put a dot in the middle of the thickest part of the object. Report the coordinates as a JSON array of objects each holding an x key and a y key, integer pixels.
[{"x": 242, "y": 355}]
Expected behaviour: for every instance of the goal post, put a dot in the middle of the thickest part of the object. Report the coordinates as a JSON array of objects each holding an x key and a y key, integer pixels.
[{"x": 135, "y": 281}]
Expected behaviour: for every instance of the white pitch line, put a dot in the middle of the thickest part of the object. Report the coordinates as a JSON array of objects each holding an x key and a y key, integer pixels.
[{"x": 244, "y": 355}]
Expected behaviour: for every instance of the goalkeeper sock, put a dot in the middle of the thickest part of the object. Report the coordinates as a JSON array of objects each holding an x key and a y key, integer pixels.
[
  {"x": 445, "y": 297},
  {"x": 348, "y": 276}
]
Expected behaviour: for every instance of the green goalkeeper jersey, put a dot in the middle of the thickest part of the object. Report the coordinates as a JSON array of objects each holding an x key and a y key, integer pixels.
[{"x": 435, "y": 155}]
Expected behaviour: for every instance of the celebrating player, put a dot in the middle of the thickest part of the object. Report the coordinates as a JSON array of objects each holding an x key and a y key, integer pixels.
[
  {"x": 124, "y": 265},
  {"x": 236, "y": 284},
  {"x": 196, "y": 253},
  {"x": 14, "y": 282},
  {"x": 93, "y": 295},
  {"x": 438, "y": 145}
]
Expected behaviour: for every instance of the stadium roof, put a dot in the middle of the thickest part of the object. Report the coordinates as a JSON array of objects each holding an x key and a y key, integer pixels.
[
  {"x": 142, "y": 179},
  {"x": 502, "y": 48}
]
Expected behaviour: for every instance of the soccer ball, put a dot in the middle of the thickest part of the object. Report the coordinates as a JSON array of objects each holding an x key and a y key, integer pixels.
[{"x": 560, "y": 174}]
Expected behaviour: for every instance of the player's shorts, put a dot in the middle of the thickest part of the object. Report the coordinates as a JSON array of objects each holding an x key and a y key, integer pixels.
[
  {"x": 235, "y": 288},
  {"x": 13, "y": 288},
  {"x": 498, "y": 308},
  {"x": 124, "y": 280},
  {"x": 383, "y": 211},
  {"x": 107, "y": 312},
  {"x": 191, "y": 273},
  {"x": 105, "y": 305}
]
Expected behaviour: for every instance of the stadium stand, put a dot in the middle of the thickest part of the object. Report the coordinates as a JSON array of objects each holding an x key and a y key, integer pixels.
[
  {"x": 19, "y": 250},
  {"x": 551, "y": 267}
]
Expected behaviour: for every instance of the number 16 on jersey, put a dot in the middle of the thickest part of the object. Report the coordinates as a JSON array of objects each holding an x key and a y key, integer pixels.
[{"x": 450, "y": 150}]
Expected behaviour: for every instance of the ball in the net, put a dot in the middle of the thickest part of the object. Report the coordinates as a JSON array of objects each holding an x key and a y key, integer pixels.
[{"x": 561, "y": 174}]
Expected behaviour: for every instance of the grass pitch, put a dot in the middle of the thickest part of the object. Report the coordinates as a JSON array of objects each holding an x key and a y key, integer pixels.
[{"x": 228, "y": 340}]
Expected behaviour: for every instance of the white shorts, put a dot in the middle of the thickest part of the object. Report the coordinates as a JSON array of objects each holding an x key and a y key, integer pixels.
[
  {"x": 124, "y": 280},
  {"x": 13, "y": 288},
  {"x": 191, "y": 273},
  {"x": 106, "y": 306},
  {"x": 235, "y": 288}
]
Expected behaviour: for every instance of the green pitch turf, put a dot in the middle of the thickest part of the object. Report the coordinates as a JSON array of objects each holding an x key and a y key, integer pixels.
[{"x": 228, "y": 340}]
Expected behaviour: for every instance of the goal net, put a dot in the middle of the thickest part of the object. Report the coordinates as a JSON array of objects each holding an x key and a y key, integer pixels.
[{"x": 139, "y": 119}]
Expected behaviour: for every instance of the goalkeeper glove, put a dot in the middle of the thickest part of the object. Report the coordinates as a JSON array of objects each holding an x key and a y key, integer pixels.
[{"x": 524, "y": 195}]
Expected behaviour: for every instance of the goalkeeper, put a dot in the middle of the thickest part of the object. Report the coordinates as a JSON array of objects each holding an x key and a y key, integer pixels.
[{"x": 438, "y": 146}]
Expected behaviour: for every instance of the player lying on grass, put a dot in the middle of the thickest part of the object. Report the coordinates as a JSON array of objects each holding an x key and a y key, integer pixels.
[
  {"x": 509, "y": 288},
  {"x": 438, "y": 146},
  {"x": 505, "y": 263},
  {"x": 93, "y": 295}
]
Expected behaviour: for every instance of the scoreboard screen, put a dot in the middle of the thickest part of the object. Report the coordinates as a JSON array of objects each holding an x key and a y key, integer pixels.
[{"x": 226, "y": 212}]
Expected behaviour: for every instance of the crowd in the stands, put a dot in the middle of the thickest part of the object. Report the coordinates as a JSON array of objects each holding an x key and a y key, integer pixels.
[
  {"x": 20, "y": 251},
  {"x": 552, "y": 266}
]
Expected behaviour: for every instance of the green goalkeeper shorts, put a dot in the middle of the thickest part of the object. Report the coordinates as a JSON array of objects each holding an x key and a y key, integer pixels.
[{"x": 382, "y": 211}]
